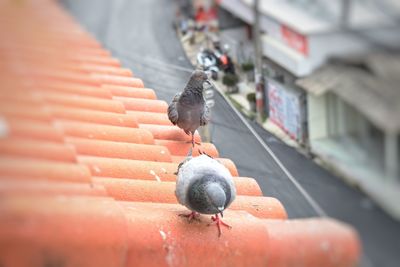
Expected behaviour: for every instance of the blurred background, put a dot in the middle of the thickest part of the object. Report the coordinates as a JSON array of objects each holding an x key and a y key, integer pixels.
[{"x": 329, "y": 73}]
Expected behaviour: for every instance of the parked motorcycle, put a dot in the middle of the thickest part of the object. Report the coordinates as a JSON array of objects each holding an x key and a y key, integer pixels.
[
  {"x": 224, "y": 60},
  {"x": 209, "y": 62}
]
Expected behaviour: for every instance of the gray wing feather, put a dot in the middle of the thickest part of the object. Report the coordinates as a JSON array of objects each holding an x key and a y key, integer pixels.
[
  {"x": 205, "y": 116},
  {"x": 172, "y": 109}
]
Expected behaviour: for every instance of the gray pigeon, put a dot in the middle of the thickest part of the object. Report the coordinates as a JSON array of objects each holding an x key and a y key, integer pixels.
[
  {"x": 188, "y": 109},
  {"x": 205, "y": 186}
]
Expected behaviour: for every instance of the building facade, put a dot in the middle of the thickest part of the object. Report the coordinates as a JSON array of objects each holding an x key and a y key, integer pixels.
[{"x": 331, "y": 84}]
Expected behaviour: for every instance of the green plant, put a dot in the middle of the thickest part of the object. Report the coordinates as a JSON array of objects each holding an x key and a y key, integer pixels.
[
  {"x": 247, "y": 66},
  {"x": 251, "y": 97},
  {"x": 230, "y": 79}
]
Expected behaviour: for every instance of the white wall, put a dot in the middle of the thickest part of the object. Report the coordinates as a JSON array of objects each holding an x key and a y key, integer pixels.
[
  {"x": 341, "y": 43},
  {"x": 324, "y": 41}
]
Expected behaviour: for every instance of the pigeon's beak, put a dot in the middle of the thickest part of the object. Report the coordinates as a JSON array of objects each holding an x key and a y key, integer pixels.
[
  {"x": 208, "y": 73},
  {"x": 221, "y": 209}
]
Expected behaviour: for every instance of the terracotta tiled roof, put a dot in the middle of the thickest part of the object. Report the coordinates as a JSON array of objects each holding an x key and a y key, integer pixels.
[{"x": 87, "y": 163}]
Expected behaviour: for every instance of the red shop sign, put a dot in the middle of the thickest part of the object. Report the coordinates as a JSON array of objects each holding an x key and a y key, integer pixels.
[{"x": 295, "y": 40}]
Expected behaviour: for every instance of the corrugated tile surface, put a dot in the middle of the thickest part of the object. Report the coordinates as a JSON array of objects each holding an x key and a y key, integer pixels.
[{"x": 87, "y": 163}]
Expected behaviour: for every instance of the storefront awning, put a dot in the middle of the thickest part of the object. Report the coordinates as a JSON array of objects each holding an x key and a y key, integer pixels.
[{"x": 377, "y": 97}]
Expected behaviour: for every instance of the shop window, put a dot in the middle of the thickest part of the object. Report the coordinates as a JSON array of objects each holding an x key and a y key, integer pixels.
[
  {"x": 354, "y": 131},
  {"x": 227, "y": 20}
]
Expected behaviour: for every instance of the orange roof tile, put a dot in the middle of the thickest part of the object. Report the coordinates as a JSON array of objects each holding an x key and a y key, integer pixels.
[
  {"x": 333, "y": 244},
  {"x": 74, "y": 88},
  {"x": 88, "y": 160},
  {"x": 93, "y": 116},
  {"x": 10, "y": 186},
  {"x": 164, "y": 192},
  {"x": 142, "y": 104},
  {"x": 247, "y": 186},
  {"x": 168, "y": 132},
  {"x": 105, "y": 132},
  {"x": 96, "y": 69},
  {"x": 118, "y": 80},
  {"x": 84, "y": 102},
  {"x": 37, "y": 149},
  {"x": 143, "y": 117},
  {"x": 16, "y": 110},
  {"x": 43, "y": 169},
  {"x": 126, "y": 91},
  {"x": 33, "y": 130},
  {"x": 181, "y": 148},
  {"x": 68, "y": 230},
  {"x": 134, "y": 169},
  {"x": 120, "y": 150}
]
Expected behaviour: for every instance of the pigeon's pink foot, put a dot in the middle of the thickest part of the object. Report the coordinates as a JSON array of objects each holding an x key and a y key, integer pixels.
[
  {"x": 204, "y": 153},
  {"x": 191, "y": 216},
  {"x": 193, "y": 143},
  {"x": 219, "y": 222},
  {"x": 192, "y": 140}
]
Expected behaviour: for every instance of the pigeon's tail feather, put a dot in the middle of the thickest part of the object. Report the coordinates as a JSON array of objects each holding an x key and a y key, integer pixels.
[
  {"x": 188, "y": 157},
  {"x": 205, "y": 116},
  {"x": 190, "y": 153},
  {"x": 172, "y": 109}
]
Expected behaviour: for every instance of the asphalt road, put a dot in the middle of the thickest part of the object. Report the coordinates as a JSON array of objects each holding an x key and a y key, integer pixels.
[{"x": 141, "y": 35}]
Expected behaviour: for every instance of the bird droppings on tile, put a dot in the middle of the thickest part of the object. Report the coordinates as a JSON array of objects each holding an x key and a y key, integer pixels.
[
  {"x": 325, "y": 245},
  {"x": 100, "y": 191},
  {"x": 163, "y": 235},
  {"x": 4, "y": 129},
  {"x": 96, "y": 169}
]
